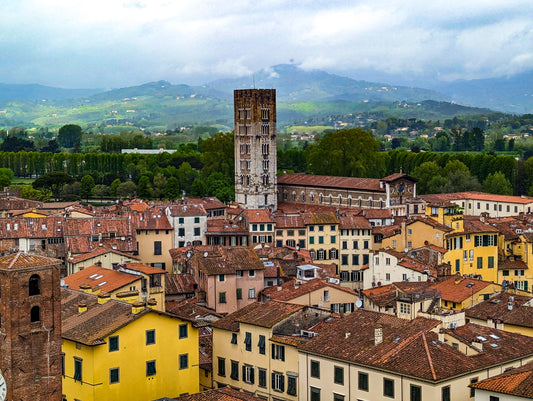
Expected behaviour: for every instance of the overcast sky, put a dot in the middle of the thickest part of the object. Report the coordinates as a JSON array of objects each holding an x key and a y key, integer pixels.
[{"x": 115, "y": 43}]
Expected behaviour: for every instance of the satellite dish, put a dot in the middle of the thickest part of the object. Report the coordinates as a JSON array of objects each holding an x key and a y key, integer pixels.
[
  {"x": 62, "y": 283},
  {"x": 359, "y": 303},
  {"x": 205, "y": 254},
  {"x": 188, "y": 255}
]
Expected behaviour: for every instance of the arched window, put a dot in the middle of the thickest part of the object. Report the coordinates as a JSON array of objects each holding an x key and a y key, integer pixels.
[
  {"x": 294, "y": 196},
  {"x": 312, "y": 197},
  {"x": 35, "y": 285},
  {"x": 333, "y": 254},
  {"x": 35, "y": 314},
  {"x": 330, "y": 199},
  {"x": 350, "y": 200},
  {"x": 303, "y": 196},
  {"x": 321, "y": 254},
  {"x": 312, "y": 254},
  {"x": 320, "y": 198},
  {"x": 340, "y": 199}
]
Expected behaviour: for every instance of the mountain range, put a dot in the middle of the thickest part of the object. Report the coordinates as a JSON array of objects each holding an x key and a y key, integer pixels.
[{"x": 302, "y": 96}]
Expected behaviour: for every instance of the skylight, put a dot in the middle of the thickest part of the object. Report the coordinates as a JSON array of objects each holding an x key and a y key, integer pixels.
[{"x": 481, "y": 338}]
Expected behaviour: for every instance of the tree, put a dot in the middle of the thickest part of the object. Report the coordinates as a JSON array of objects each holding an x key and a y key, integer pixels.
[
  {"x": 86, "y": 187},
  {"x": 349, "y": 153},
  {"x": 425, "y": 172},
  {"x": 15, "y": 144},
  {"x": 126, "y": 190},
  {"x": 217, "y": 155},
  {"x": 144, "y": 187},
  {"x": 497, "y": 184},
  {"x": 159, "y": 185},
  {"x": 101, "y": 191},
  {"x": 172, "y": 188},
  {"x": 114, "y": 186},
  {"x": 69, "y": 136},
  {"x": 53, "y": 182}
]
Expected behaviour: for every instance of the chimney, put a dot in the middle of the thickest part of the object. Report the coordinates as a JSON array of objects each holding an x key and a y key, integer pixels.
[
  {"x": 82, "y": 307},
  {"x": 378, "y": 334},
  {"x": 85, "y": 288},
  {"x": 152, "y": 303},
  {"x": 137, "y": 307},
  {"x": 103, "y": 298},
  {"x": 441, "y": 336},
  {"x": 347, "y": 334}
]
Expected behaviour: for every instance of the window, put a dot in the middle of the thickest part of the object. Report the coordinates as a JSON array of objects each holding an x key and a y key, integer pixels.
[
  {"x": 362, "y": 381},
  {"x": 338, "y": 397},
  {"x": 338, "y": 375},
  {"x": 183, "y": 331},
  {"x": 114, "y": 375},
  {"x": 315, "y": 394},
  {"x": 262, "y": 378},
  {"x": 405, "y": 308},
  {"x": 251, "y": 273},
  {"x": 344, "y": 244},
  {"x": 239, "y": 293},
  {"x": 34, "y": 285},
  {"x": 150, "y": 337},
  {"x": 150, "y": 368},
  {"x": 221, "y": 277},
  {"x": 344, "y": 259},
  {"x": 196, "y": 231},
  {"x": 248, "y": 374},
  {"x": 234, "y": 338},
  {"x": 315, "y": 369},
  {"x": 180, "y": 220},
  {"x": 78, "y": 369},
  {"x": 291, "y": 385},
  {"x": 445, "y": 393},
  {"x": 416, "y": 393},
  {"x": 35, "y": 314},
  {"x": 326, "y": 295},
  {"x": 221, "y": 367},
  {"x": 222, "y": 297},
  {"x": 251, "y": 293},
  {"x": 157, "y": 247},
  {"x": 480, "y": 262},
  {"x": 494, "y": 398},
  {"x": 234, "y": 370},
  {"x": 248, "y": 341},
  {"x": 473, "y": 390},
  {"x": 113, "y": 343},
  {"x": 184, "y": 361},
  {"x": 388, "y": 388},
  {"x": 490, "y": 264},
  {"x": 261, "y": 344},
  {"x": 278, "y": 352},
  {"x": 196, "y": 220},
  {"x": 278, "y": 382}
]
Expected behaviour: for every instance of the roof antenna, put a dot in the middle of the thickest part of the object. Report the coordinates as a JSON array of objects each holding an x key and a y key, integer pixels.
[{"x": 253, "y": 80}]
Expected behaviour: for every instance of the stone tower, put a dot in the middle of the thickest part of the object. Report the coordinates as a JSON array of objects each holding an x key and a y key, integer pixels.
[
  {"x": 255, "y": 148},
  {"x": 30, "y": 327}
]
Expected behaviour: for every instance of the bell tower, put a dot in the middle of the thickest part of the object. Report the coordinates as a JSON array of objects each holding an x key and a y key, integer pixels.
[
  {"x": 30, "y": 327},
  {"x": 255, "y": 148}
]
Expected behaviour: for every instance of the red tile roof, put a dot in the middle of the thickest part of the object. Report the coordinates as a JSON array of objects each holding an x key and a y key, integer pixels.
[
  {"x": 324, "y": 181},
  {"x": 101, "y": 250},
  {"x": 481, "y": 196},
  {"x": 220, "y": 394},
  {"x": 22, "y": 260},
  {"x": 458, "y": 289},
  {"x": 106, "y": 280},
  {"x": 290, "y": 290},
  {"x": 517, "y": 382},
  {"x": 258, "y": 216},
  {"x": 497, "y": 308}
]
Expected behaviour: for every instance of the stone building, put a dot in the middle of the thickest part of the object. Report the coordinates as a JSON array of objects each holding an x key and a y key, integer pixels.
[{"x": 255, "y": 148}]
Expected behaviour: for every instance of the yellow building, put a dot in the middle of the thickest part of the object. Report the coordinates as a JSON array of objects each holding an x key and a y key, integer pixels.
[
  {"x": 458, "y": 293},
  {"x": 472, "y": 249},
  {"x": 416, "y": 233},
  {"x": 255, "y": 348},
  {"x": 155, "y": 238},
  {"x": 322, "y": 236},
  {"x": 117, "y": 351},
  {"x": 104, "y": 256}
]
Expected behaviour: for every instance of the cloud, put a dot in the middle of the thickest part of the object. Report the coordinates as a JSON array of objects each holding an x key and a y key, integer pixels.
[{"x": 111, "y": 43}]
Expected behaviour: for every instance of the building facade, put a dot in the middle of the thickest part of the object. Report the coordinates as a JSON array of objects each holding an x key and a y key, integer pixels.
[{"x": 255, "y": 148}]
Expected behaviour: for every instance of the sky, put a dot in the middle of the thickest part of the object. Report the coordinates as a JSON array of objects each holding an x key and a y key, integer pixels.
[{"x": 116, "y": 43}]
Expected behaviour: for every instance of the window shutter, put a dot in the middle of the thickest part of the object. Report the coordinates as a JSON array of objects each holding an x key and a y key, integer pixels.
[
  {"x": 273, "y": 380},
  {"x": 282, "y": 353},
  {"x": 282, "y": 383},
  {"x": 252, "y": 375},
  {"x": 243, "y": 373},
  {"x": 273, "y": 351}
]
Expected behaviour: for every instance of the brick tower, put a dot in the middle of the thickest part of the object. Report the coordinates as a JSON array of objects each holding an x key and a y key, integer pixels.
[
  {"x": 30, "y": 327},
  {"x": 255, "y": 148}
]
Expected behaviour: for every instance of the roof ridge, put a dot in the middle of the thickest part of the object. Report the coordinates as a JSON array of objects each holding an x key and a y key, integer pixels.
[{"x": 424, "y": 339}]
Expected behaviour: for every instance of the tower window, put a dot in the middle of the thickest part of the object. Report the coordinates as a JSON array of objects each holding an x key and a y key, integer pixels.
[
  {"x": 264, "y": 114},
  {"x": 35, "y": 285},
  {"x": 35, "y": 314}
]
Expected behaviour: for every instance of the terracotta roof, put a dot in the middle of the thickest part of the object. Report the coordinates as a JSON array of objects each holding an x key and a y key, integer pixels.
[
  {"x": 15, "y": 203},
  {"x": 319, "y": 218},
  {"x": 289, "y": 290},
  {"x": 497, "y": 308},
  {"x": 21, "y": 260},
  {"x": 223, "y": 226},
  {"x": 324, "y": 181},
  {"x": 377, "y": 213},
  {"x": 32, "y": 227},
  {"x": 220, "y": 394},
  {"x": 259, "y": 314},
  {"x": 354, "y": 222},
  {"x": 179, "y": 284},
  {"x": 98, "y": 322},
  {"x": 151, "y": 220},
  {"x": 410, "y": 347},
  {"x": 430, "y": 222},
  {"x": 517, "y": 382},
  {"x": 512, "y": 264},
  {"x": 70, "y": 301},
  {"x": 189, "y": 309},
  {"x": 101, "y": 250},
  {"x": 99, "y": 278},
  {"x": 481, "y": 196},
  {"x": 16, "y": 213},
  {"x": 208, "y": 203},
  {"x": 458, "y": 289},
  {"x": 141, "y": 267},
  {"x": 384, "y": 296},
  {"x": 220, "y": 260},
  {"x": 290, "y": 222},
  {"x": 258, "y": 216},
  {"x": 397, "y": 176},
  {"x": 187, "y": 209}
]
